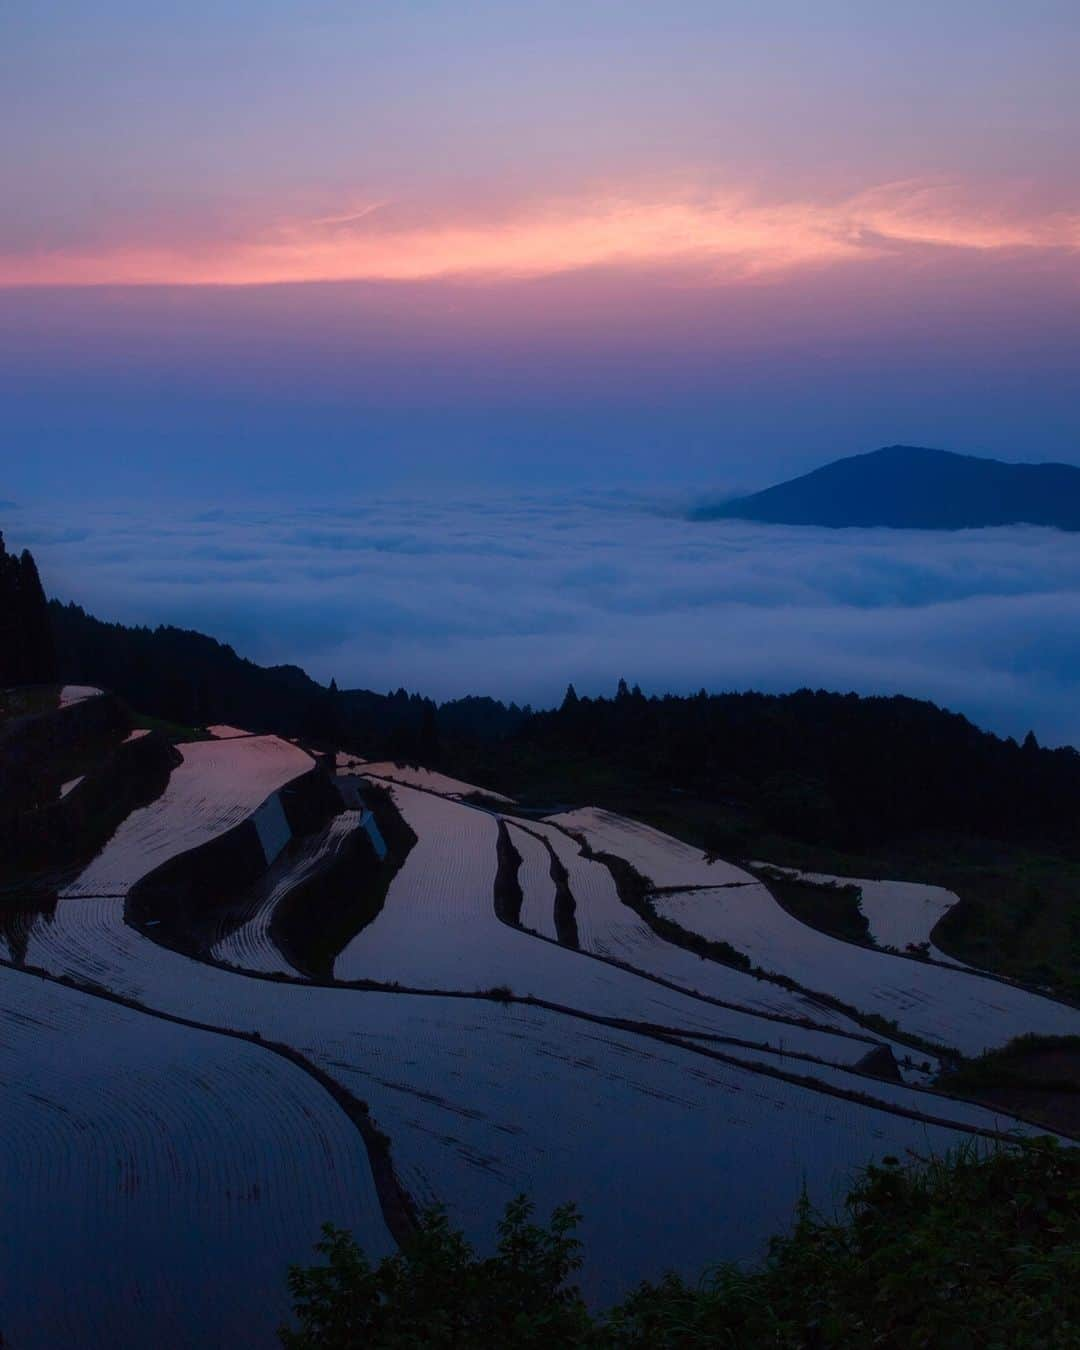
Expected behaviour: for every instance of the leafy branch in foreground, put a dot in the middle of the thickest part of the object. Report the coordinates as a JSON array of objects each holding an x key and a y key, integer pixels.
[
  {"x": 974, "y": 1249},
  {"x": 436, "y": 1292}
]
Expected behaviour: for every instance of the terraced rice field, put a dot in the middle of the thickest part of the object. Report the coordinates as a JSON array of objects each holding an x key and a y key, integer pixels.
[
  {"x": 660, "y": 859},
  {"x": 659, "y": 1147},
  {"x": 345, "y": 763},
  {"x": 898, "y": 913},
  {"x": 76, "y": 693},
  {"x": 656, "y": 1138},
  {"x": 429, "y": 780},
  {"x": 482, "y": 1101},
  {"x": 536, "y": 882},
  {"x": 437, "y": 930},
  {"x": 951, "y": 1007},
  {"x": 948, "y": 1006},
  {"x": 251, "y": 947},
  {"x": 609, "y": 928},
  {"x": 218, "y": 785},
  {"x": 143, "y": 1159}
]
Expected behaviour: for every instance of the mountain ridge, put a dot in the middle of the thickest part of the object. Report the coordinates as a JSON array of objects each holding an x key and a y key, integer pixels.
[{"x": 915, "y": 487}]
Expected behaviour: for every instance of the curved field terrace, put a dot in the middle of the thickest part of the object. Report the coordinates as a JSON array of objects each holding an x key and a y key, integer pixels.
[
  {"x": 438, "y": 930},
  {"x": 500, "y": 1049},
  {"x": 142, "y": 1159},
  {"x": 219, "y": 785},
  {"x": 430, "y": 780},
  {"x": 250, "y": 944},
  {"x": 899, "y": 914}
]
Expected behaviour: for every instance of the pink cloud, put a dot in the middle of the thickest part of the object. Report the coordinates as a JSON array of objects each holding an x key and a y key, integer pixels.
[{"x": 720, "y": 236}]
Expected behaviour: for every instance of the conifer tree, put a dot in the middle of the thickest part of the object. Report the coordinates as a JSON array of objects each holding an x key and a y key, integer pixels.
[
  {"x": 8, "y": 625},
  {"x": 27, "y": 651},
  {"x": 430, "y": 742},
  {"x": 39, "y": 651}
]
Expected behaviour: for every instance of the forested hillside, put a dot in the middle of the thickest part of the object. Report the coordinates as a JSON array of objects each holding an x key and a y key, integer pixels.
[
  {"x": 189, "y": 678},
  {"x": 27, "y": 655},
  {"x": 831, "y": 767},
  {"x": 836, "y": 768}
]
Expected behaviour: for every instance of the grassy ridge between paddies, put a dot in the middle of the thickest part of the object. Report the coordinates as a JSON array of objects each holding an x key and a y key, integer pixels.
[
  {"x": 537, "y": 912},
  {"x": 1021, "y": 912},
  {"x": 439, "y": 930},
  {"x": 943, "y": 1005},
  {"x": 897, "y": 915},
  {"x": 611, "y": 927},
  {"x": 1036, "y": 1076},
  {"x": 244, "y": 928},
  {"x": 316, "y": 921},
  {"x": 833, "y": 907},
  {"x": 971, "y": 1249}
]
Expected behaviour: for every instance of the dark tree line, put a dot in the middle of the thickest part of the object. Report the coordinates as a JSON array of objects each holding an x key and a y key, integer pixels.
[
  {"x": 27, "y": 653},
  {"x": 828, "y": 767},
  {"x": 833, "y": 768},
  {"x": 192, "y": 679}
]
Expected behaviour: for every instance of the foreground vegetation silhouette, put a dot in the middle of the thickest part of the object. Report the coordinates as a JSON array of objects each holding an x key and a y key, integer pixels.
[{"x": 972, "y": 1249}]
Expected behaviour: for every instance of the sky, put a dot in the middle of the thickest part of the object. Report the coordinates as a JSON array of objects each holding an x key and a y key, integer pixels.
[
  {"x": 312, "y": 246},
  {"x": 397, "y": 339}
]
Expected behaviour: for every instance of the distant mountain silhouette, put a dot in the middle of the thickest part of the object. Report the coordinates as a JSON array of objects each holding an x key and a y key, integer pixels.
[{"x": 908, "y": 487}]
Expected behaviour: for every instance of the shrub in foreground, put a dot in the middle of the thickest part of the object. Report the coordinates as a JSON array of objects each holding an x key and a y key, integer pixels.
[{"x": 972, "y": 1250}]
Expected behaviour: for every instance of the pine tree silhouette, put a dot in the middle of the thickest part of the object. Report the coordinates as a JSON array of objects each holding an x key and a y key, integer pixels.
[
  {"x": 8, "y": 620},
  {"x": 430, "y": 741},
  {"x": 27, "y": 650},
  {"x": 36, "y": 635}
]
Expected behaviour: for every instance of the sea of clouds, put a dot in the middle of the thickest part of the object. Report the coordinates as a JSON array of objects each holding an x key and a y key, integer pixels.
[{"x": 515, "y": 596}]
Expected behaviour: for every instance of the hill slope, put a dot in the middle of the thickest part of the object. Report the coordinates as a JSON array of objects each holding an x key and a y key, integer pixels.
[
  {"x": 908, "y": 487},
  {"x": 195, "y": 680}
]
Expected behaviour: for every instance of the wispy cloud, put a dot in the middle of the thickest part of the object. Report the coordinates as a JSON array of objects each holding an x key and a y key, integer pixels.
[{"x": 723, "y": 235}]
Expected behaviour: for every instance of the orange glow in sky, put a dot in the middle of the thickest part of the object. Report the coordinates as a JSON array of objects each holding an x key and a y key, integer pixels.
[{"x": 725, "y": 236}]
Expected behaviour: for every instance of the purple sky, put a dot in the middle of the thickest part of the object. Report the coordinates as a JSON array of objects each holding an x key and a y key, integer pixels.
[
  {"x": 321, "y": 246},
  {"x": 317, "y": 319}
]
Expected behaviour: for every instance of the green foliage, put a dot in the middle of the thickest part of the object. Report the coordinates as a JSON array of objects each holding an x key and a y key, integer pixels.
[
  {"x": 1010, "y": 1064},
  {"x": 172, "y": 731},
  {"x": 437, "y": 1293},
  {"x": 976, "y": 1249},
  {"x": 634, "y": 890},
  {"x": 831, "y": 907},
  {"x": 824, "y": 767}
]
